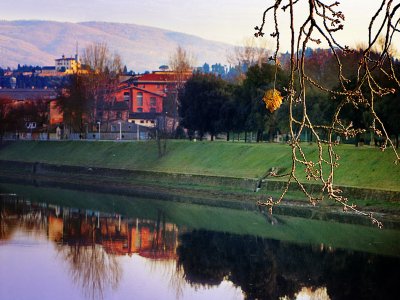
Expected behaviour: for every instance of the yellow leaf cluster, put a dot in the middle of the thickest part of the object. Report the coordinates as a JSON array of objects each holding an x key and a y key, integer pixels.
[{"x": 272, "y": 99}]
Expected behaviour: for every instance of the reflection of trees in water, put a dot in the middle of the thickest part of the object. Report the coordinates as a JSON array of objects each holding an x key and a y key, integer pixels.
[
  {"x": 92, "y": 268},
  {"x": 173, "y": 275},
  {"x": 90, "y": 265},
  {"x": 5, "y": 231},
  {"x": 269, "y": 269},
  {"x": 89, "y": 243},
  {"x": 163, "y": 254},
  {"x": 19, "y": 216},
  {"x": 177, "y": 280}
]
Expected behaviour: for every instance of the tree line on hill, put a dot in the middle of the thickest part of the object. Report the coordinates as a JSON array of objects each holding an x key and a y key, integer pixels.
[{"x": 211, "y": 105}]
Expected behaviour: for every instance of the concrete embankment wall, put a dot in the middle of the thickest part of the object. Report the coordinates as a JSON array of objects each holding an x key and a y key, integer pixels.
[
  {"x": 132, "y": 175},
  {"x": 350, "y": 192},
  {"x": 227, "y": 192},
  {"x": 140, "y": 176}
]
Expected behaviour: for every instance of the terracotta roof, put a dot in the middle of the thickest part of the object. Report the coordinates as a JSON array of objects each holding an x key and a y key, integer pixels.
[{"x": 159, "y": 77}]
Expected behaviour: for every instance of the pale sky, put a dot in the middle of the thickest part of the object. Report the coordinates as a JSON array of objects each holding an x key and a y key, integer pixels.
[{"x": 229, "y": 21}]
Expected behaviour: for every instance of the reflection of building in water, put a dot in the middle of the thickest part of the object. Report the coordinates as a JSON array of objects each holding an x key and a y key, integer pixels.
[
  {"x": 55, "y": 228},
  {"x": 117, "y": 235},
  {"x": 153, "y": 239}
]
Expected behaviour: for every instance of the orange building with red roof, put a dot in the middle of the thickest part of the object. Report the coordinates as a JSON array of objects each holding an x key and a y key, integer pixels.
[{"x": 145, "y": 94}]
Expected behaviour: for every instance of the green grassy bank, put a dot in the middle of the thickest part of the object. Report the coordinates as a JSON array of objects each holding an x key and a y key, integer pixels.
[{"x": 363, "y": 167}]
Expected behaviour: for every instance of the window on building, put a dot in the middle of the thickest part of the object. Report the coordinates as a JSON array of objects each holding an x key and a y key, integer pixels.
[
  {"x": 139, "y": 99},
  {"x": 119, "y": 115},
  {"x": 140, "y": 109},
  {"x": 153, "y": 109},
  {"x": 127, "y": 96},
  {"x": 153, "y": 101}
]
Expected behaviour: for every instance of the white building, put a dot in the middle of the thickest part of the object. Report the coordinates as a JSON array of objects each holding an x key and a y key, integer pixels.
[{"x": 67, "y": 64}]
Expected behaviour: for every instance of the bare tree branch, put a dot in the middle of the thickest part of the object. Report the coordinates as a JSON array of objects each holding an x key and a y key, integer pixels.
[{"x": 325, "y": 20}]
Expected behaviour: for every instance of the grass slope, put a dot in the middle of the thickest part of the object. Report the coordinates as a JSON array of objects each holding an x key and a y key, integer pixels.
[{"x": 359, "y": 166}]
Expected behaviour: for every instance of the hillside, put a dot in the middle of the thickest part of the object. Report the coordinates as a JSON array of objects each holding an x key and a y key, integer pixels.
[{"x": 141, "y": 47}]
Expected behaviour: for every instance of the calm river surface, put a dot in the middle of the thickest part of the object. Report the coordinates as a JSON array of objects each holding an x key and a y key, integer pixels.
[{"x": 63, "y": 244}]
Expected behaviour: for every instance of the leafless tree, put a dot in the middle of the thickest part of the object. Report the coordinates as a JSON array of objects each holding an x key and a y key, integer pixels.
[
  {"x": 4, "y": 112},
  {"x": 102, "y": 70},
  {"x": 319, "y": 25},
  {"x": 92, "y": 268},
  {"x": 181, "y": 63},
  {"x": 253, "y": 52}
]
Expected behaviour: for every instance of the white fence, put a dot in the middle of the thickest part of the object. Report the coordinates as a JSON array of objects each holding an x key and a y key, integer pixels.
[{"x": 125, "y": 136}]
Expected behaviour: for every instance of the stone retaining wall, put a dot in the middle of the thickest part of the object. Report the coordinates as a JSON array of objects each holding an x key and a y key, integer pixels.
[{"x": 249, "y": 184}]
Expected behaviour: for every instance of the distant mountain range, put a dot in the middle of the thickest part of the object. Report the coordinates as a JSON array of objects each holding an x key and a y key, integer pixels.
[{"x": 141, "y": 47}]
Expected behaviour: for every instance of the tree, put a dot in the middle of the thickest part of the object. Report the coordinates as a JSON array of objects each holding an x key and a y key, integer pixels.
[
  {"x": 88, "y": 96},
  {"x": 230, "y": 117},
  {"x": 181, "y": 63},
  {"x": 5, "y": 116},
  {"x": 258, "y": 80},
  {"x": 320, "y": 24},
  {"x": 200, "y": 101},
  {"x": 74, "y": 103},
  {"x": 391, "y": 113},
  {"x": 253, "y": 52},
  {"x": 102, "y": 71}
]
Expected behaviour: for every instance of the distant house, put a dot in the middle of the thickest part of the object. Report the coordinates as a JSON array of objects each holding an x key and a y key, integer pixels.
[
  {"x": 67, "y": 64},
  {"x": 39, "y": 105},
  {"x": 49, "y": 71},
  {"x": 145, "y": 95},
  {"x": 140, "y": 101},
  {"x": 160, "y": 81}
]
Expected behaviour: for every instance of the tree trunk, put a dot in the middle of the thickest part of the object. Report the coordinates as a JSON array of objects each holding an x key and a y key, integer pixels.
[
  {"x": 165, "y": 145},
  {"x": 158, "y": 144},
  {"x": 259, "y": 135},
  {"x": 356, "y": 140}
]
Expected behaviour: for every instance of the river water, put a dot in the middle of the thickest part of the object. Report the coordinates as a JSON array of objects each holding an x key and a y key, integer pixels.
[{"x": 63, "y": 244}]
